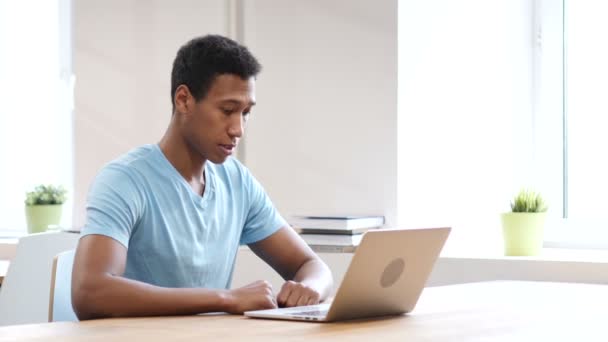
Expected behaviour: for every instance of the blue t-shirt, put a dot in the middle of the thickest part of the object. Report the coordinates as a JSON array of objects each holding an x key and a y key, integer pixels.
[{"x": 174, "y": 236}]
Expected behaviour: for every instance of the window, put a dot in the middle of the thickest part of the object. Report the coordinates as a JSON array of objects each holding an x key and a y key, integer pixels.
[
  {"x": 582, "y": 62},
  {"x": 495, "y": 96},
  {"x": 36, "y": 109},
  {"x": 465, "y": 114},
  {"x": 586, "y": 108}
]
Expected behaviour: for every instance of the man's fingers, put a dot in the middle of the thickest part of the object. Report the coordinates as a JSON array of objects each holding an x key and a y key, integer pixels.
[
  {"x": 303, "y": 300},
  {"x": 293, "y": 298},
  {"x": 290, "y": 294},
  {"x": 296, "y": 294},
  {"x": 284, "y": 294},
  {"x": 269, "y": 293},
  {"x": 270, "y": 303},
  {"x": 274, "y": 301}
]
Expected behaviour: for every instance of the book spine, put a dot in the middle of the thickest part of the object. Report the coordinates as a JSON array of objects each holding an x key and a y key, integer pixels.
[{"x": 332, "y": 249}]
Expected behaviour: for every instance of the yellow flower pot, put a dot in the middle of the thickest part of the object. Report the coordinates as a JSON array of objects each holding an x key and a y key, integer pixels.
[
  {"x": 523, "y": 233},
  {"x": 40, "y": 217}
]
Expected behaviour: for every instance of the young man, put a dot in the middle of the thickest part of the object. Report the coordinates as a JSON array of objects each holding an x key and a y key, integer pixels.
[{"x": 164, "y": 221}]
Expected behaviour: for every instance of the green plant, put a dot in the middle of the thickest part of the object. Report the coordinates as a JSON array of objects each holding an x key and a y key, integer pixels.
[
  {"x": 46, "y": 194},
  {"x": 528, "y": 202}
]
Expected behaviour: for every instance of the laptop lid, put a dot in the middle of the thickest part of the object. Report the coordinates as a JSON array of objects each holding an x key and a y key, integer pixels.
[{"x": 387, "y": 273}]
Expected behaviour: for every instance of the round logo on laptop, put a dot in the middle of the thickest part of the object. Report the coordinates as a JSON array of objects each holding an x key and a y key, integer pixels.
[{"x": 392, "y": 272}]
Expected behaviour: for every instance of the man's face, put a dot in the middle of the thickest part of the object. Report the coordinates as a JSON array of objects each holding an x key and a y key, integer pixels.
[{"x": 215, "y": 123}]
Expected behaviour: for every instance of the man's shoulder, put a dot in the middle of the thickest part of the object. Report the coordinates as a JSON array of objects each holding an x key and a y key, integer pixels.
[
  {"x": 129, "y": 166},
  {"x": 135, "y": 156},
  {"x": 136, "y": 159}
]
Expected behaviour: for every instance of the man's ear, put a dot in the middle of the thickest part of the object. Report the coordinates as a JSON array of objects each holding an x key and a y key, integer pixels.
[{"x": 183, "y": 99}]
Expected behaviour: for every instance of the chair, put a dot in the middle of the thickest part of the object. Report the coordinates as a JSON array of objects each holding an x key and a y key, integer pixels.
[
  {"x": 24, "y": 295},
  {"x": 60, "y": 300}
]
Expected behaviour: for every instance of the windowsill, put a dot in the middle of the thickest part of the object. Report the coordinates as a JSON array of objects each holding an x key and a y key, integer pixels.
[
  {"x": 490, "y": 247},
  {"x": 576, "y": 234},
  {"x": 547, "y": 254},
  {"x": 575, "y": 243},
  {"x": 8, "y": 247}
]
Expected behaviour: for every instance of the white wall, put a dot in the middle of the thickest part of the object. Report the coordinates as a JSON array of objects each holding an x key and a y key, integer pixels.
[
  {"x": 123, "y": 54},
  {"x": 323, "y": 138}
]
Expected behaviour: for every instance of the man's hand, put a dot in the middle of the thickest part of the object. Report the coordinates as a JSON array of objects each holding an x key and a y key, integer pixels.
[
  {"x": 255, "y": 296},
  {"x": 297, "y": 294},
  {"x": 309, "y": 280}
]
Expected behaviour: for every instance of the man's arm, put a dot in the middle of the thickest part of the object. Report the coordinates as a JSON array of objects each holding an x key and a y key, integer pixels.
[
  {"x": 99, "y": 290},
  {"x": 309, "y": 280}
]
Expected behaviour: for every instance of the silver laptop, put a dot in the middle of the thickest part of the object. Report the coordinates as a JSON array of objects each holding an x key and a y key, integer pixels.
[{"x": 385, "y": 277}]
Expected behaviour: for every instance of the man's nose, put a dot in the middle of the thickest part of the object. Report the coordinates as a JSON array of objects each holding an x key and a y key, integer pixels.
[{"x": 236, "y": 126}]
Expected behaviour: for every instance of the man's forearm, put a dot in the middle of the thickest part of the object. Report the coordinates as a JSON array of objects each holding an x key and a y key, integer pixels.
[
  {"x": 115, "y": 296},
  {"x": 315, "y": 274}
]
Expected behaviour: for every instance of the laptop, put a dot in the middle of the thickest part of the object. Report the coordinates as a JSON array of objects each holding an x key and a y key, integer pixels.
[{"x": 385, "y": 277}]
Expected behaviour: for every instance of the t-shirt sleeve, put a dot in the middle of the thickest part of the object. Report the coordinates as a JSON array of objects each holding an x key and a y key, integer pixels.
[
  {"x": 113, "y": 205},
  {"x": 263, "y": 219}
]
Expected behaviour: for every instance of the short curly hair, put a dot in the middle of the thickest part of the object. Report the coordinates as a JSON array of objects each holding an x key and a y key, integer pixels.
[{"x": 201, "y": 59}]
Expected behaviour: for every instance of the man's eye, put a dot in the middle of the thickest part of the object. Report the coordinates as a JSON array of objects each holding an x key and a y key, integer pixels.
[{"x": 227, "y": 111}]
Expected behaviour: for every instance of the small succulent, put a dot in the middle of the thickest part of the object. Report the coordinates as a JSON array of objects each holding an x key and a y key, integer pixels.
[
  {"x": 46, "y": 194},
  {"x": 528, "y": 202}
]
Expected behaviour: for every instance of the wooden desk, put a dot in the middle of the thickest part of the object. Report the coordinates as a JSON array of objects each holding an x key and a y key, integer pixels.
[
  {"x": 493, "y": 311},
  {"x": 3, "y": 268}
]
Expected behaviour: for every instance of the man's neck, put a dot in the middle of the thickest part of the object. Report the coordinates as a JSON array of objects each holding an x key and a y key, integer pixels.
[{"x": 185, "y": 160}]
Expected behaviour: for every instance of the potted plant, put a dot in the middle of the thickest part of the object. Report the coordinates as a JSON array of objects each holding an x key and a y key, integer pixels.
[
  {"x": 523, "y": 227},
  {"x": 43, "y": 207}
]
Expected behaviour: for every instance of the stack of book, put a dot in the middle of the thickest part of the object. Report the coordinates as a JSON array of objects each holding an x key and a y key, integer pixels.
[{"x": 334, "y": 233}]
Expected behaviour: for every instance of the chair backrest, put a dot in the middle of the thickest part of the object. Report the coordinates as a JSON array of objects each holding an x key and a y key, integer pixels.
[
  {"x": 60, "y": 300},
  {"x": 24, "y": 295}
]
